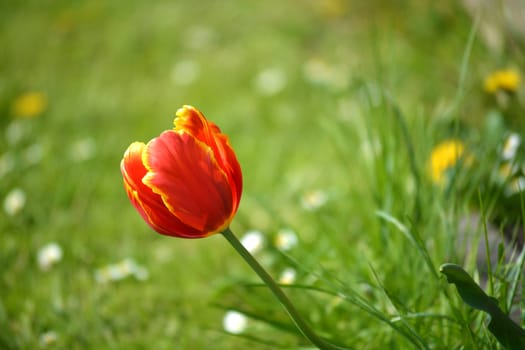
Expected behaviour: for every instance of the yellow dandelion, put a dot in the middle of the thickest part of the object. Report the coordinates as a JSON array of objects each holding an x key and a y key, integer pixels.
[
  {"x": 444, "y": 157},
  {"x": 29, "y": 105},
  {"x": 505, "y": 80}
]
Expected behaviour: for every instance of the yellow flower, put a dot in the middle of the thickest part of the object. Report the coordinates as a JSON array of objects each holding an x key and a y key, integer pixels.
[
  {"x": 443, "y": 157},
  {"x": 506, "y": 170},
  {"x": 29, "y": 105},
  {"x": 505, "y": 79},
  {"x": 333, "y": 8}
]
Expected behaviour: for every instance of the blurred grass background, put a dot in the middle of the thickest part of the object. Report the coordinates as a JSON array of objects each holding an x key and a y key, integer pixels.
[{"x": 305, "y": 90}]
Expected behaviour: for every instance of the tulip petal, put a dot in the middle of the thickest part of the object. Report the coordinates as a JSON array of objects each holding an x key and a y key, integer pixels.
[
  {"x": 185, "y": 173},
  {"x": 149, "y": 204},
  {"x": 193, "y": 122}
]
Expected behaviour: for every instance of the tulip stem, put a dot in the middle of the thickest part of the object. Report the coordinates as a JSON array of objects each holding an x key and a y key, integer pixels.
[{"x": 279, "y": 294}]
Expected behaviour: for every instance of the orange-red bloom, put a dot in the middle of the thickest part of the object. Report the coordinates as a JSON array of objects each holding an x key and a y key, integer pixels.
[{"x": 187, "y": 182}]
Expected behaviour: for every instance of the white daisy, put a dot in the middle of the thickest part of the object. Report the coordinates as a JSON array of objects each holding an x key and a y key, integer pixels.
[
  {"x": 121, "y": 270},
  {"x": 286, "y": 239},
  {"x": 14, "y": 201},
  {"x": 185, "y": 72},
  {"x": 48, "y": 338},
  {"x": 83, "y": 149},
  {"x": 288, "y": 276},
  {"x": 314, "y": 200},
  {"x": 253, "y": 241},
  {"x": 49, "y": 255},
  {"x": 270, "y": 81},
  {"x": 510, "y": 146},
  {"x": 234, "y": 322}
]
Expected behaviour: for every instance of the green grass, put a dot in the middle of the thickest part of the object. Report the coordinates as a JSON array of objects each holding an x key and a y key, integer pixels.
[{"x": 367, "y": 260}]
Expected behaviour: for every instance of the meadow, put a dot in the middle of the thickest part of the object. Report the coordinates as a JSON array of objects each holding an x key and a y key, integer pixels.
[{"x": 336, "y": 111}]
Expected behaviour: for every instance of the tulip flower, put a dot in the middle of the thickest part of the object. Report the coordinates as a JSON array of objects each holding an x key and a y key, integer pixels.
[{"x": 187, "y": 183}]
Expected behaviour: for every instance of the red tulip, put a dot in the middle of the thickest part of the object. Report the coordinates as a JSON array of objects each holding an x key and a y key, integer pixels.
[{"x": 187, "y": 182}]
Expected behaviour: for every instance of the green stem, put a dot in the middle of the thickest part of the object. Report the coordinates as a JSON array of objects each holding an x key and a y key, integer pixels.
[{"x": 279, "y": 294}]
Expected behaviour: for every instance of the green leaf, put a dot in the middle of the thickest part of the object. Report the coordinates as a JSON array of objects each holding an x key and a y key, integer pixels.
[{"x": 508, "y": 333}]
